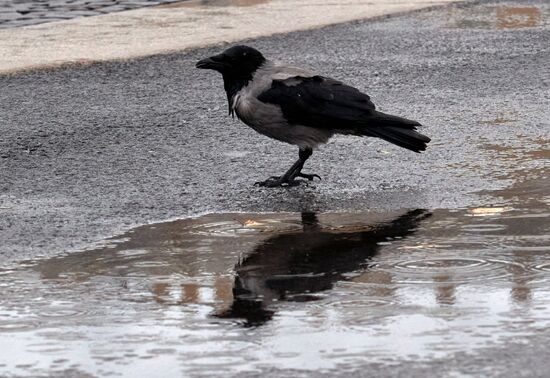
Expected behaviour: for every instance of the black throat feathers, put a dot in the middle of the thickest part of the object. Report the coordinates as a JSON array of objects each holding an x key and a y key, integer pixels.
[{"x": 232, "y": 86}]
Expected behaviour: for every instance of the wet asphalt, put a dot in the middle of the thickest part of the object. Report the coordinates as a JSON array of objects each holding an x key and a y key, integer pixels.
[
  {"x": 91, "y": 151},
  {"x": 88, "y": 152}
]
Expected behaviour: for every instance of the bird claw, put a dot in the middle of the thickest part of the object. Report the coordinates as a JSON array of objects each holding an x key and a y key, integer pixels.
[
  {"x": 280, "y": 181},
  {"x": 277, "y": 183},
  {"x": 271, "y": 182},
  {"x": 310, "y": 177}
]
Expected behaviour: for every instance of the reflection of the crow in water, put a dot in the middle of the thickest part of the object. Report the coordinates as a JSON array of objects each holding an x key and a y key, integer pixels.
[{"x": 292, "y": 266}]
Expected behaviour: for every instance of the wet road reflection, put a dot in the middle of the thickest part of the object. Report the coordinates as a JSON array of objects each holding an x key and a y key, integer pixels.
[
  {"x": 308, "y": 291},
  {"x": 503, "y": 17},
  {"x": 294, "y": 266},
  {"x": 517, "y": 17}
]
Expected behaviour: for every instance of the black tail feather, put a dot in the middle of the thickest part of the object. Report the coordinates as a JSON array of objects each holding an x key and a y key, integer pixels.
[{"x": 397, "y": 130}]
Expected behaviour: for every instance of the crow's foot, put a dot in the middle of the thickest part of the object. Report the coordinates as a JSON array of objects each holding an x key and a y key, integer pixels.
[
  {"x": 282, "y": 181},
  {"x": 278, "y": 181}
]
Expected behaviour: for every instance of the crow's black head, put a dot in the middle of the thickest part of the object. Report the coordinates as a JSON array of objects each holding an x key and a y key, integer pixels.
[
  {"x": 237, "y": 65},
  {"x": 237, "y": 62}
]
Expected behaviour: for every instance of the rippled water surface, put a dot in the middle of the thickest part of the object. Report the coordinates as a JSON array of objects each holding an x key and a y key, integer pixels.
[{"x": 253, "y": 292}]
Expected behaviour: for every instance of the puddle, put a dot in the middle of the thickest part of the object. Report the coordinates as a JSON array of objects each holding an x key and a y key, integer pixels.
[
  {"x": 500, "y": 17},
  {"x": 517, "y": 17},
  {"x": 310, "y": 291},
  {"x": 498, "y": 120}
]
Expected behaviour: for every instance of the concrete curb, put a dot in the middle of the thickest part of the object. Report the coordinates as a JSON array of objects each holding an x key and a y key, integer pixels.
[{"x": 176, "y": 27}]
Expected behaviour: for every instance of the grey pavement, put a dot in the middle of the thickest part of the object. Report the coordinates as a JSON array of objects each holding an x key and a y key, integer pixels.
[
  {"x": 170, "y": 28},
  {"x": 89, "y": 152},
  {"x": 16, "y": 13}
]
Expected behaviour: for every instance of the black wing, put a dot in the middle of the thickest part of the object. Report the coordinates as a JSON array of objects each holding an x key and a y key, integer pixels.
[
  {"x": 326, "y": 103},
  {"x": 319, "y": 102}
]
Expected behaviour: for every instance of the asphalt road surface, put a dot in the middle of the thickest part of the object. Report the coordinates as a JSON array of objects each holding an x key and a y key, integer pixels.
[
  {"x": 92, "y": 151},
  {"x": 88, "y": 152}
]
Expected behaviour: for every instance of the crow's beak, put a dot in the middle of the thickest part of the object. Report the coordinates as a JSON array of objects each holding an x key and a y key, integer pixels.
[{"x": 213, "y": 63}]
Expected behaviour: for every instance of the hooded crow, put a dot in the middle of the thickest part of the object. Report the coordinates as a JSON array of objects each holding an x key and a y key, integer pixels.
[{"x": 299, "y": 107}]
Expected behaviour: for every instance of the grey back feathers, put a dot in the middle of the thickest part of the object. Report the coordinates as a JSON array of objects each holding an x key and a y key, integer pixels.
[{"x": 268, "y": 118}]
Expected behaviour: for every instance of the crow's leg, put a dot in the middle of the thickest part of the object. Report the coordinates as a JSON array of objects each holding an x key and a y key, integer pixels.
[
  {"x": 289, "y": 178},
  {"x": 303, "y": 155}
]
